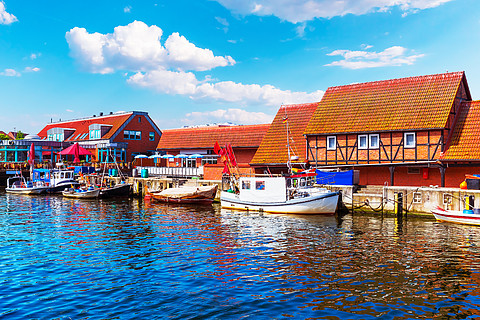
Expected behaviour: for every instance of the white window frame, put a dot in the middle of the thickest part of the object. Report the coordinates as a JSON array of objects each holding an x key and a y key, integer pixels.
[
  {"x": 334, "y": 142},
  {"x": 370, "y": 141},
  {"x": 414, "y": 140},
  {"x": 366, "y": 142}
]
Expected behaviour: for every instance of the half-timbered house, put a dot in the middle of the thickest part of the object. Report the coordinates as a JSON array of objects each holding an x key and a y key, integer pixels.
[{"x": 394, "y": 131}]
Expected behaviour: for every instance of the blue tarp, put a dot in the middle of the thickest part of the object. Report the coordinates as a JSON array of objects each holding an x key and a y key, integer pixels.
[{"x": 339, "y": 178}]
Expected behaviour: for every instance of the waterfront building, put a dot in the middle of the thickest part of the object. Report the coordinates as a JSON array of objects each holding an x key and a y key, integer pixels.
[
  {"x": 285, "y": 131},
  {"x": 397, "y": 132},
  {"x": 192, "y": 149},
  {"x": 13, "y": 153},
  {"x": 120, "y": 135}
]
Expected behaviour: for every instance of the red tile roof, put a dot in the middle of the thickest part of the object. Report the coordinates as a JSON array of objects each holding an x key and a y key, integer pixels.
[
  {"x": 80, "y": 126},
  {"x": 205, "y": 137},
  {"x": 464, "y": 143},
  {"x": 413, "y": 103},
  {"x": 273, "y": 149}
]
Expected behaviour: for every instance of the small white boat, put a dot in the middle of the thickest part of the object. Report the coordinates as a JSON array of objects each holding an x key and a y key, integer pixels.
[
  {"x": 463, "y": 217},
  {"x": 20, "y": 185},
  {"x": 280, "y": 195},
  {"x": 89, "y": 193}
]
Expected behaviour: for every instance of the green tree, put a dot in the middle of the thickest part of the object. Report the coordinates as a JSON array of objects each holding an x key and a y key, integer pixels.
[
  {"x": 20, "y": 135},
  {"x": 4, "y": 137}
]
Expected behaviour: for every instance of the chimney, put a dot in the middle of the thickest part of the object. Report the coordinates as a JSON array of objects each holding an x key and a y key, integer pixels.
[{"x": 101, "y": 114}]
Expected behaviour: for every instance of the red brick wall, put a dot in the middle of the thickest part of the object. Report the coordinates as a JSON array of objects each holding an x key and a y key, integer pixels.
[
  {"x": 214, "y": 171},
  {"x": 139, "y": 146},
  {"x": 379, "y": 175},
  {"x": 346, "y": 152}
]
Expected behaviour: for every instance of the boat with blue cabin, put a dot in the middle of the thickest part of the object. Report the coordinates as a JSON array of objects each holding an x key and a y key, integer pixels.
[{"x": 56, "y": 180}]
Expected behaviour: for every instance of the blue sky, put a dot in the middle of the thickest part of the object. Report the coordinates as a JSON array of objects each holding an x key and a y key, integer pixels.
[{"x": 215, "y": 61}]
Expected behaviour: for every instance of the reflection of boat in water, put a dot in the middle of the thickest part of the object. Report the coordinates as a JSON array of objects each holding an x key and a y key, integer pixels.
[
  {"x": 463, "y": 217},
  {"x": 295, "y": 194},
  {"x": 81, "y": 193},
  {"x": 186, "y": 194},
  {"x": 20, "y": 185}
]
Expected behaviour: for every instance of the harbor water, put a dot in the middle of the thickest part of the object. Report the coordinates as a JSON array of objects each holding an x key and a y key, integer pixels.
[{"x": 127, "y": 259}]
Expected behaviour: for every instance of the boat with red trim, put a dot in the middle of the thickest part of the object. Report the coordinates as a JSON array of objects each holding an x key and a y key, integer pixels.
[{"x": 463, "y": 217}]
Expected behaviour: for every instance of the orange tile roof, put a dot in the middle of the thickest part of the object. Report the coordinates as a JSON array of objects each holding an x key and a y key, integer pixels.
[
  {"x": 205, "y": 137},
  {"x": 413, "y": 103},
  {"x": 81, "y": 126},
  {"x": 464, "y": 143},
  {"x": 273, "y": 149}
]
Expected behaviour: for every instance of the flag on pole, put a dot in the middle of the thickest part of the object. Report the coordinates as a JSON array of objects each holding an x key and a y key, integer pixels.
[
  {"x": 216, "y": 148},
  {"x": 285, "y": 119},
  {"x": 31, "y": 155},
  {"x": 231, "y": 155}
]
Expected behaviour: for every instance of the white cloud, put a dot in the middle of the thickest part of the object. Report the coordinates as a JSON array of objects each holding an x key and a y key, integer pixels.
[
  {"x": 304, "y": 10},
  {"x": 137, "y": 47},
  {"x": 224, "y": 23},
  {"x": 10, "y": 73},
  {"x": 169, "y": 68},
  {"x": 233, "y": 115},
  {"x": 5, "y": 17},
  {"x": 393, "y": 56},
  {"x": 127, "y": 9},
  {"x": 186, "y": 83},
  {"x": 30, "y": 69}
]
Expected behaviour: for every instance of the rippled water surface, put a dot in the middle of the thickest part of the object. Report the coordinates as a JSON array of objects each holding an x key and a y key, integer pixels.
[{"x": 125, "y": 259}]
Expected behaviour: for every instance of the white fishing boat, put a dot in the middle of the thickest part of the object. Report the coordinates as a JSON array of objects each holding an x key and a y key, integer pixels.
[
  {"x": 20, "y": 185},
  {"x": 294, "y": 194},
  {"x": 56, "y": 179},
  {"x": 462, "y": 217}
]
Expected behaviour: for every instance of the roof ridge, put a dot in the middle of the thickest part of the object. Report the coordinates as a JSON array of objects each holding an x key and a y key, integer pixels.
[{"x": 431, "y": 76}]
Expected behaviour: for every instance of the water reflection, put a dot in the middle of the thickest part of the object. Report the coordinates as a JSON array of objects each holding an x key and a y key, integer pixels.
[{"x": 129, "y": 259}]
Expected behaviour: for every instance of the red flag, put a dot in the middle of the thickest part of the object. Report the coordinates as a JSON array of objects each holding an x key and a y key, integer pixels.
[
  {"x": 223, "y": 155},
  {"x": 226, "y": 169},
  {"x": 231, "y": 155},
  {"x": 31, "y": 155},
  {"x": 216, "y": 147}
]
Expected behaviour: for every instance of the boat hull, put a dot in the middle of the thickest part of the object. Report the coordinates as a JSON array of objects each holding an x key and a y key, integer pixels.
[
  {"x": 34, "y": 190},
  {"x": 319, "y": 204},
  {"x": 92, "y": 194},
  {"x": 456, "y": 217},
  {"x": 193, "y": 195},
  {"x": 62, "y": 186},
  {"x": 120, "y": 190}
]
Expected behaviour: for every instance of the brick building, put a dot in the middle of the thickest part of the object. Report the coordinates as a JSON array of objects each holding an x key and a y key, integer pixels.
[
  {"x": 397, "y": 132},
  {"x": 183, "y": 144},
  {"x": 119, "y": 135},
  {"x": 273, "y": 154}
]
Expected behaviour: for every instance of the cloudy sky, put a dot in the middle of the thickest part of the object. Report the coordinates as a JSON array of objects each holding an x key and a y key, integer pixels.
[{"x": 214, "y": 61}]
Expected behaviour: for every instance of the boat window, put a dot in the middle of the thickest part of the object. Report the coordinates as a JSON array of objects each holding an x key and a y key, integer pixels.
[
  {"x": 62, "y": 175},
  {"x": 246, "y": 185},
  {"x": 260, "y": 185},
  {"x": 303, "y": 182}
]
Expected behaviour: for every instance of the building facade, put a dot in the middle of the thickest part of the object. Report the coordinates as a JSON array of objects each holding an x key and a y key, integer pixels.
[
  {"x": 395, "y": 132},
  {"x": 284, "y": 141},
  {"x": 113, "y": 137},
  {"x": 194, "y": 148}
]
